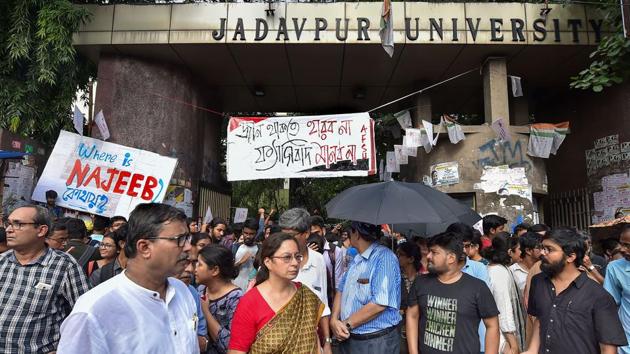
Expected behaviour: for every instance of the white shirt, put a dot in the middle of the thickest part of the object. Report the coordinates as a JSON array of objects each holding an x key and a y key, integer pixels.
[
  {"x": 500, "y": 283},
  {"x": 120, "y": 316},
  {"x": 313, "y": 275},
  {"x": 340, "y": 256},
  {"x": 520, "y": 275},
  {"x": 246, "y": 268}
]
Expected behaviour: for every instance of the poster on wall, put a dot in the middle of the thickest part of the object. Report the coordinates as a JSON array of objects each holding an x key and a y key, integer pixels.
[
  {"x": 505, "y": 181},
  {"x": 445, "y": 173},
  {"x": 98, "y": 177},
  {"x": 614, "y": 196},
  {"x": 18, "y": 182},
  {"x": 299, "y": 147}
]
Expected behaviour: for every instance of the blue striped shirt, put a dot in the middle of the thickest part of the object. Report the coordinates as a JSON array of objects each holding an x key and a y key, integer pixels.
[{"x": 373, "y": 276}]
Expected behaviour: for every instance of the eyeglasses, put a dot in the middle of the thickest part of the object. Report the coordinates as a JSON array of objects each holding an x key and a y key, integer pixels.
[
  {"x": 181, "y": 239},
  {"x": 104, "y": 245},
  {"x": 60, "y": 240},
  {"x": 287, "y": 259},
  {"x": 17, "y": 225}
]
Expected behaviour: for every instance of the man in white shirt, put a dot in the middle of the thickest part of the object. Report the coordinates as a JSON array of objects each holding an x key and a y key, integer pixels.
[
  {"x": 143, "y": 309},
  {"x": 530, "y": 245},
  {"x": 246, "y": 253},
  {"x": 296, "y": 221}
]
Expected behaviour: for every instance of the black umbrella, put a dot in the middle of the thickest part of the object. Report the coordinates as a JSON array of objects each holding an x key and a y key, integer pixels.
[
  {"x": 397, "y": 203},
  {"x": 430, "y": 229}
]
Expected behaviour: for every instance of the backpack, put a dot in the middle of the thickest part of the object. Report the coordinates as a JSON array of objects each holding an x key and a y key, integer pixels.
[{"x": 86, "y": 256}]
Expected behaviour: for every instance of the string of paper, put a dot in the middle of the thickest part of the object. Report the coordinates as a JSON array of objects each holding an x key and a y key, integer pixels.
[{"x": 419, "y": 137}]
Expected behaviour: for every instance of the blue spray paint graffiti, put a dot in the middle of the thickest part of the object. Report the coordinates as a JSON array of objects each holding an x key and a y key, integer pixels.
[{"x": 495, "y": 153}]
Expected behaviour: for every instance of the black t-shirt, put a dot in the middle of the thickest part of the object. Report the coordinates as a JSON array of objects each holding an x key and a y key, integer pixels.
[{"x": 450, "y": 313}]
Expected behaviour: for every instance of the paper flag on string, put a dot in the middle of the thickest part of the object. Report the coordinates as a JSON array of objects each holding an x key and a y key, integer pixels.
[
  {"x": 560, "y": 132},
  {"x": 387, "y": 28},
  {"x": 404, "y": 119},
  {"x": 102, "y": 125},
  {"x": 501, "y": 130},
  {"x": 517, "y": 89},
  {"x": 409, "y": 150},
  {"x": 401, "y": 158},
  {"x": 392, "y": 164},
  {"x": 413, "y": 137},
  {"x": 77, "y": 120},
  {"x": 455, "y": 132},
  {"x": 545, "y": 138}
]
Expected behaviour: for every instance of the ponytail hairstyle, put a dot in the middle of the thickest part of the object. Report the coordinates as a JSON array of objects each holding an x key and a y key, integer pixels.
[
  {"x": 219, "y": 256},
  {"x": 269, "y": 247}
]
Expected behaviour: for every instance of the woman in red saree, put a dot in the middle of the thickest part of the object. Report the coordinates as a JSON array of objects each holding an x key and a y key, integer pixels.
[{"x": 277, "y": 315}]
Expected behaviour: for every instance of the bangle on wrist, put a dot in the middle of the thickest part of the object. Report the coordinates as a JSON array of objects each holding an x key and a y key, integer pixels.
[{"x": 205, "y": 348}]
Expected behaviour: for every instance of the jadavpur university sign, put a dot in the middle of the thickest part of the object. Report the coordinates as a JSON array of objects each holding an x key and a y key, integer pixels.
[{"x": 338, "y": 23}]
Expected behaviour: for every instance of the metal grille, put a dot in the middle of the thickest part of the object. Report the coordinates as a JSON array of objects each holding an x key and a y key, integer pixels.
[
  {"x": 218, "y": 202},
  {"x": 570, "y": 208}
]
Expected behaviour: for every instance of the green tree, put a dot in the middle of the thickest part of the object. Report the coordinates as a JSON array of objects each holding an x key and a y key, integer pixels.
[
  {"x": 611, "y": 59},
  {"x": 40, "y": 71}
]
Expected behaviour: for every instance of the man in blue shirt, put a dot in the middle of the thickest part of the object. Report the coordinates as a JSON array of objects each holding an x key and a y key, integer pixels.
[
  {"x": 366, "y": 314},
  {"x": 617, "y": 283}
]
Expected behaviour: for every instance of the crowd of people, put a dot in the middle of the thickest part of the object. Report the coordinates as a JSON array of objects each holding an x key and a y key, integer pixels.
[{"x": 160, "y": 282}]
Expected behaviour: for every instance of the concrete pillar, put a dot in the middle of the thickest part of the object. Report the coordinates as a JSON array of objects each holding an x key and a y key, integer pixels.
[
  {"x": 519, "y": 111},
  {"x": 495, "y": 90},
  {"x": 152, "y": 106},
  {"x": 423, "y": 111}
]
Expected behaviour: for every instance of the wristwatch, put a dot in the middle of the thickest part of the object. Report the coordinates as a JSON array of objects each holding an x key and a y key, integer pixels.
[
  {"x": 590, "y": 269},
  {"x": 328, "y": 340}
]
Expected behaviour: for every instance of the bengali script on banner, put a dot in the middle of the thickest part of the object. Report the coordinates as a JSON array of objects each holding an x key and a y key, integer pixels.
[
  {"x": 103, "y": 178},
  {"x": 298, "y": 147}
]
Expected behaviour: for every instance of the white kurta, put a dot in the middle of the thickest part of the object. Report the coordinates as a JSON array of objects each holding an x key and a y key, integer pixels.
[{"x": 119, "y": 316}]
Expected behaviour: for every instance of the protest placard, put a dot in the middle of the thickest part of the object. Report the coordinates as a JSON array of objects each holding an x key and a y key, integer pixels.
[
  {"x": 103, "y": 178},
  {"x": 298, "y": 147},
  {"x": 240, "y": 215}
]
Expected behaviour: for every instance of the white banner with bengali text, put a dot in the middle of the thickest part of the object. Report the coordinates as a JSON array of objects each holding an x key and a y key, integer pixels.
[
  {"x": 299, "y": 147},
  {"x": 98, "y": 177}
]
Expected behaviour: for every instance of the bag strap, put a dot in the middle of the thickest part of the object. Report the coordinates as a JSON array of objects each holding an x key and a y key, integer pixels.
[
  {"x": 85, "y": 257},
  {"x": 90, "y": 267},
  {"x": 107, "y": 271}
]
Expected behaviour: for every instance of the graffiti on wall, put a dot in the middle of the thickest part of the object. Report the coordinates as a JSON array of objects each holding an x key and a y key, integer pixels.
[{"x": 498, "y": 153}]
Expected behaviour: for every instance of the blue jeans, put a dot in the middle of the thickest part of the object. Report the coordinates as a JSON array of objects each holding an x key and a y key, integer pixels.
[{"x": 389, "y": 343}]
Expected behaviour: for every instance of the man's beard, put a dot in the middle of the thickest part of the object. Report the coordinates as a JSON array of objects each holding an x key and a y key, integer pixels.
[
  {"x": 434, "y": 270},
  {"x": 248, "y": 241},
  {"x": 552, "y": 269}
]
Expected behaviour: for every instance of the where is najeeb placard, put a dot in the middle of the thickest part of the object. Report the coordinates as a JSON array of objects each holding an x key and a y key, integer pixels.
[
  {"x": 98, "y": 177},
  {"x": 298, "y": 147}
]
